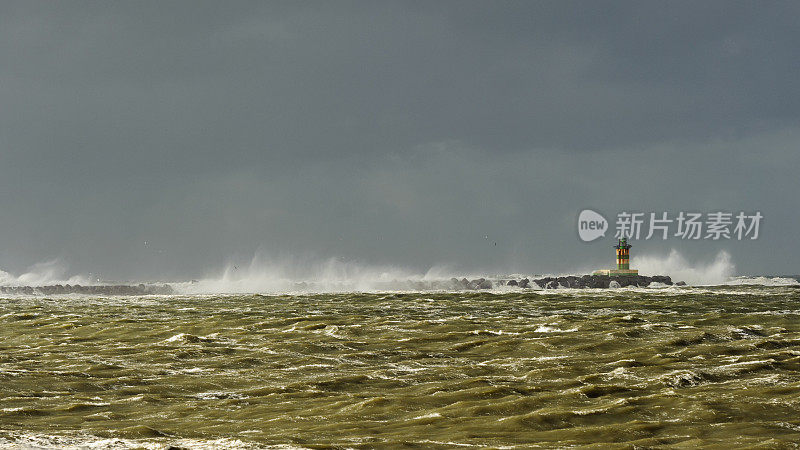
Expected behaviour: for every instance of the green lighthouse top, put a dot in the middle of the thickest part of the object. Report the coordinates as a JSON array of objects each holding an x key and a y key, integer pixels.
[{"x": 623, "y": 243}]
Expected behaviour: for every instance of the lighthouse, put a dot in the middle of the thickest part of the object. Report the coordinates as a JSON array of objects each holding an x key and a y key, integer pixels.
[
  {"x": 623, "y": 260},
  {"x": 623, "y": 254}
]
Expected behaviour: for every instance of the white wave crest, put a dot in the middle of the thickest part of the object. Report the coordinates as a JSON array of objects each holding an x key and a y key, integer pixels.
[
  {"x": 83, "y": 442},
  {"x": 763, "y": 281}
]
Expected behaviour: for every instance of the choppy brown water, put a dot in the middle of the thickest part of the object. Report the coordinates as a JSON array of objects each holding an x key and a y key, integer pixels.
[{"x": 690, "y": 367}]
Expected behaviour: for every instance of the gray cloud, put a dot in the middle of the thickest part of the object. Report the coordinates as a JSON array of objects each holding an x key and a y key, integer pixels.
[{"x": 392, "y": 132}]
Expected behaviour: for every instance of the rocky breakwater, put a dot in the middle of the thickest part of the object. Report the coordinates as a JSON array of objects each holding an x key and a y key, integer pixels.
[
  {"x": 570, "y": 281},
  {"x": 119, "y": 289},
  {"x": 603, "y": 281},
  {"x": 478, "y": 284}
]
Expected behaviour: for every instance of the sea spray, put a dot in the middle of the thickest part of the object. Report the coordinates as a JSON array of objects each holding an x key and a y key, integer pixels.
[
  {"x": 49, "y": 272},
  {"x": 676, "y": 266}
]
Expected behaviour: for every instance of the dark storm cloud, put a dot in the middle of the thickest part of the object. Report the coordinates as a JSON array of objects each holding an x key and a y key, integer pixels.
[{"x": 386, "y": 131}]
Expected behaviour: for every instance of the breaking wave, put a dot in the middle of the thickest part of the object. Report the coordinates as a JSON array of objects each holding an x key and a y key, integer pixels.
[
  {"x": 718, "y": 271},
  {"x": 269, "y": 275},
  {"x": 762, "y": 281},
  {"x": 78, "y": 442},
  {"x": 263, "y": 274},
  {"x": 294, "y": 274},
  {"x": 42, "y": 274}
]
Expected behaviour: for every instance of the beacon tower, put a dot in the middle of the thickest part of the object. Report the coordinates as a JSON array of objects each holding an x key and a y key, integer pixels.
[
  {"x": 623, "y": 254},
  {"x": 623, "y": 260}
]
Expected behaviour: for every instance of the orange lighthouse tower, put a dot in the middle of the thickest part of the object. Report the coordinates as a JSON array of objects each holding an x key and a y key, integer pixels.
[
  {"x": 623, "y": 261},
  {"x": 623, "y": 254}
]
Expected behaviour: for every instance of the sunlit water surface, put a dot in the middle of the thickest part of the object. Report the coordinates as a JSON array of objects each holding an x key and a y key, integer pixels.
[{"x": 647, "y": 367}]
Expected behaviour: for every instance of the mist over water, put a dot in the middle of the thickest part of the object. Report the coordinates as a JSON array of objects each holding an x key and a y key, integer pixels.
[
  {"x": 270, "y": 275},
  {"x": 264, "y": 274},
  {"x": 267, "y": 274},
  {"x": 718, "y": 271},
  {"x": 44, "y": 273}
]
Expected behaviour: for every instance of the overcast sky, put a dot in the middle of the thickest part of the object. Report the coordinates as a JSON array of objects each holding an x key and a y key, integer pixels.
[{"x": 407, "y": 133}]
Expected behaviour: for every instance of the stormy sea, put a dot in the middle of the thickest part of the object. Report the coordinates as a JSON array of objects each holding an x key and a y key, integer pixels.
[{"x": 510, "y": 367}]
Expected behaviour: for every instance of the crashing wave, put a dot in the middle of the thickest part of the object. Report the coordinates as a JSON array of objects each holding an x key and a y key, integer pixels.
[{"x": 762, "y": 281}]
